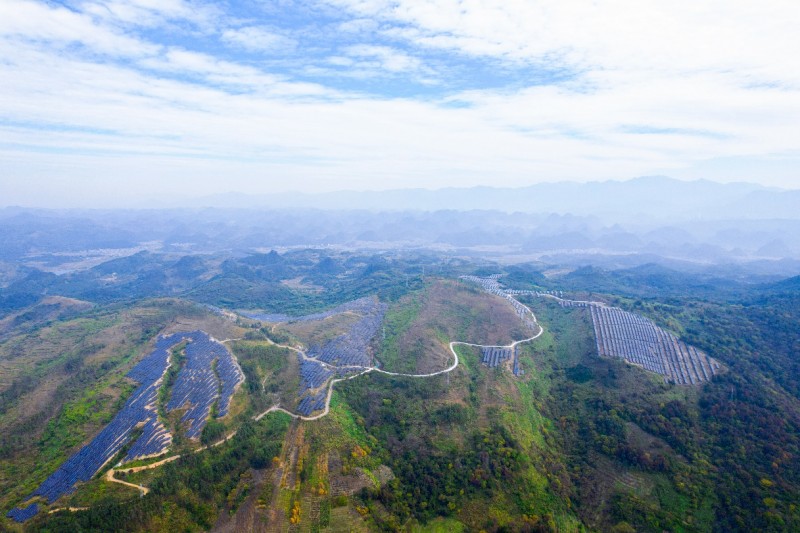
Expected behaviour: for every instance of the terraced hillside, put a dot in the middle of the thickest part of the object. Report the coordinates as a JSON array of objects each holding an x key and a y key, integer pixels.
[
  {"x": 628, "y": 336},
  {"x": 333, "y": 471},
  {"x": 448, "y": 423},
  {"x": 208, "y": 378}
]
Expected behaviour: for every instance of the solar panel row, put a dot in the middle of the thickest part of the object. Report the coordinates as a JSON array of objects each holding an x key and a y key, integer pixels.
[{"x": 210, "y": 374}]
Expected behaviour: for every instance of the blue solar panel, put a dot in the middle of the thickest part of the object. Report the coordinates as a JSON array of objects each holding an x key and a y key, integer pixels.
[
  {"x": 350, "y": 349},
  {"x": 200, "y": 384},
  {"x": 312, "y": 374},
  {"x": 342, "y": 355},
  {"x": 23, "y": 514},
  {"x": 197, "y": 387}
]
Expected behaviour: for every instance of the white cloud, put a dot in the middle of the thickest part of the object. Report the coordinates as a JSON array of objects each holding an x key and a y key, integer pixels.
[
  {"x": 257, "y": 39},
  {"x": 341, "y": 61},
  {"x": 358, "y": 26},
  {"x": 58, "y": 27},
  {"x": 152, "y": 13},
  {"x": 385, "y": 58},
  {"x": 644, "y": 35},
  {"x": 653, "y": 87}
]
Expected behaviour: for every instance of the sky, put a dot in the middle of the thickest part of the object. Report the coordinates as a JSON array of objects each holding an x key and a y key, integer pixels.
[{"x": 129, "y": 101}]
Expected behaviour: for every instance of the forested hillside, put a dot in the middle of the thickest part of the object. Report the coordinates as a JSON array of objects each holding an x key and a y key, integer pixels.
[{"x": 556, "y": 438}]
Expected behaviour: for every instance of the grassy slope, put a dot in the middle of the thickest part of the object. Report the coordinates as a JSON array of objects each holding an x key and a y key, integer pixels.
[
  {"x": 439, "y": 430},
  {"x": 614, "y": 470},
  {"x": 331, "y": 473},
  {"x": 419, "y": 328},
  {"x": 576, "y": 442},
  {"x": 69, "y": 381}
]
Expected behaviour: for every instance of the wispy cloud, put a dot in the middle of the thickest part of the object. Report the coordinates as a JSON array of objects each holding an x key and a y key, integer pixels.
[
  {"x": 257, "y": 39},
  {"x": 373, "y": 94},
  {"x": 55, "y": 27},
  {"x": 152, "y": 13},
  {"x": 385, "y": 58}
]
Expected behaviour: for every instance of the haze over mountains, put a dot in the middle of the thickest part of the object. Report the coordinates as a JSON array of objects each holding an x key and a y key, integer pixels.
[
  {"x": 652, "y": 197},
  {"x": 684, "y": 225}
]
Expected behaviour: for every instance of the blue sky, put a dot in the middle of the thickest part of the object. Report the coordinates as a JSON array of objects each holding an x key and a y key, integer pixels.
[{"x": 130, "y": 101}]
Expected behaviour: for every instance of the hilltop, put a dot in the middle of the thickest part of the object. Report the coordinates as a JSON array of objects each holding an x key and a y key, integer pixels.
[{"x": 375, "y": 397}]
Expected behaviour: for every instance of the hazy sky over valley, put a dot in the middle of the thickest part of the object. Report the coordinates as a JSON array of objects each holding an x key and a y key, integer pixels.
[{"x": 110, "y": 103}]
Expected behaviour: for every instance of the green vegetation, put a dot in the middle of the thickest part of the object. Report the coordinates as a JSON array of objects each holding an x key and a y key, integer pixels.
[
  {"x": 576, "y": 443},
  {"x": 176, "y": 362},
  {"x": 661, "y": 457},
  {"x": 188, "y": 492},
  {"x": 68, "y": 386},
  {"x": 267, "y": 372},
  {"x": 396, "y": 322}
]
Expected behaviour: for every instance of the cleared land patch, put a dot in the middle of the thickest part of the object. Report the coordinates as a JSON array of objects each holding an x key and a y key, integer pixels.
[
  {"x": 630, "y": 337},
  {"x": 209, "y": 377}
]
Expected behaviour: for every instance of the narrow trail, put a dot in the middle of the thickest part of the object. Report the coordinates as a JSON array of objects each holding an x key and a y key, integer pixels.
[
  {"x": 69, "y": 509},
  {"x": 146, "y": 467},
  {"x": 144, "y": 490},
  {"x": 369, "y": 369},
  {"x": 327, "y": 399},
  {"x": 110, "y": 477},
  {"x": 223, "y": 440},
  {"x": 364, "y": 370}
]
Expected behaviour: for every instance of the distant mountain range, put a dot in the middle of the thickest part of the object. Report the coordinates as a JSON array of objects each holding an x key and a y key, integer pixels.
[
  {"x": 745, "y": 228},
  {"x": 652, "y": 197}
]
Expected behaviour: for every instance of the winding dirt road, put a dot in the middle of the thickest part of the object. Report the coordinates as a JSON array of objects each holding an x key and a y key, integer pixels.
[{"x": 364, "y": 370}]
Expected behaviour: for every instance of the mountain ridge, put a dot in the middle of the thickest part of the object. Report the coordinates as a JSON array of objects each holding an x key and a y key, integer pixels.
[{"x": 648, "y": 196}]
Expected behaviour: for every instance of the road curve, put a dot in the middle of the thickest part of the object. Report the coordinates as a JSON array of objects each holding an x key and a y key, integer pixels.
[
  {"x": 364, "y": 370},
  {"x": 110, "y": 477},
  {"x": 369, "y": 369}
]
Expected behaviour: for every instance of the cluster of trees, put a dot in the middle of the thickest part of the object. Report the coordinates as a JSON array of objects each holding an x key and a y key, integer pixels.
[
  {"x": 727, "y": 450},
  {"x": 432, "y": 482},
  {"x": 191, "y": 491},
  {"x": 412, "y": 429}
]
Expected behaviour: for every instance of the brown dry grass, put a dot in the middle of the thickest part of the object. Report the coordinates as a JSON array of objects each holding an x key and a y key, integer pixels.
[
  {"x": 470, "y": 315},
  {"x": 452, "y": 311},
  {"x": 218, "y": 327},
  {"x": 122, "y": 335},
  {"x": 315, "y": 332}
]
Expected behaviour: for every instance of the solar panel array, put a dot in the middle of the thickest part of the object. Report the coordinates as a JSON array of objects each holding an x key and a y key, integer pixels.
[
  {"x": 340, "y": 356},
  {"x": 639, "y": 341},
  {"x": 139, "y": 409},
  {"x": 22, "y": 514},
  {"x": 230, "y": 376},
  {"x": 344, "y": 371},
  {"x": 350, "y": 349},
  {"x": 197, "y": 386},
  {"x": 625, "y": 335},
  {"x": 312, "y": 402},
  {"x": 313, "y": 374},
  {"x": 494, "y": 355}
]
